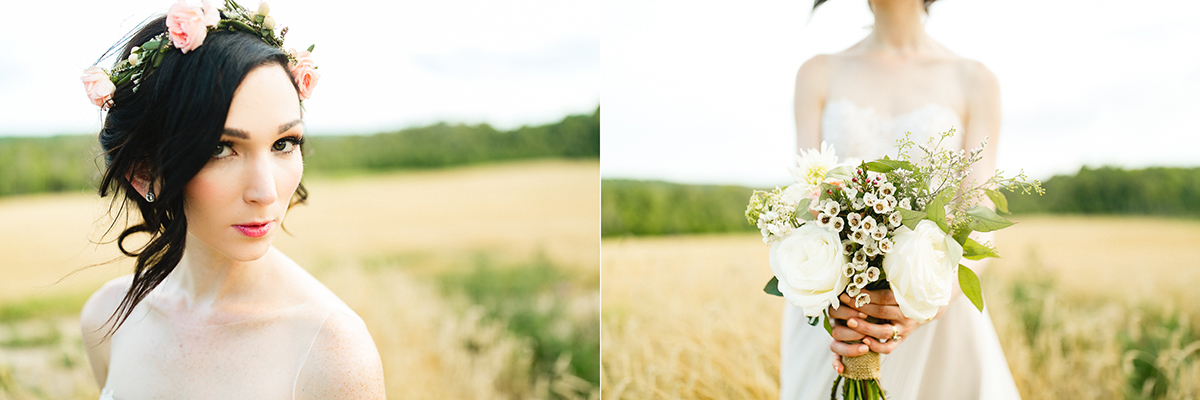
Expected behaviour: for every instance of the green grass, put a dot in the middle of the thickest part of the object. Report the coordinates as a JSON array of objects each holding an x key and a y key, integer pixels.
[
  {"x": 528, "y": 298},
  {"x": 661, "y": 208},
  {"x": 43, "y": 306}
]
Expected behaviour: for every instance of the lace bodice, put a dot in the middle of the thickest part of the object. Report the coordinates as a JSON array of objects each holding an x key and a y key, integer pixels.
[{"x": 864, "y": 134}]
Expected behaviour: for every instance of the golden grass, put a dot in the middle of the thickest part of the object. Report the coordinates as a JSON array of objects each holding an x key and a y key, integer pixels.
[
  {"x": 377, "y": 241},
  {"x": 1075, "y": 302}
]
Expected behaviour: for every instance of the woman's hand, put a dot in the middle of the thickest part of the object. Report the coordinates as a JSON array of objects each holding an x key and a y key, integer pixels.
[{"x": 850, "y": 325}]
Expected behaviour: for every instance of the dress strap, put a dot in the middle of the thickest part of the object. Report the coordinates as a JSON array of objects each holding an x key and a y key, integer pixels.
[{"x": 311, "y": 343}]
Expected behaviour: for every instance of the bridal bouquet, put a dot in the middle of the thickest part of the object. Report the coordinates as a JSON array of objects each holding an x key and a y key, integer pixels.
[{"x": 898, "y": 224}]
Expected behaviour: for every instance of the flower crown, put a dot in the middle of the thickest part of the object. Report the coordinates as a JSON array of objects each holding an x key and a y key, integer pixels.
[{"x": 187, "y": 27}]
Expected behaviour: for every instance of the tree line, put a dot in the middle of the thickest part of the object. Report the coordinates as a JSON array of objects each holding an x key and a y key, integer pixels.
[
  {"x": 73, "y": 162},
  {"x": 632, "y": 207}
]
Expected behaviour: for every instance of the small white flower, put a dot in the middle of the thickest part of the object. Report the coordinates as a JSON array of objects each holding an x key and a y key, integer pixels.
[
  {"x": 905, "y": 204},
  {"x": 861, "y": 280},
  {"x": 770, "y": 215},
  {"x": 873, "y": 274},
  {"x": 879, "y": 234},
  {"x": 850, "y": 192},
  {"x": 858, "y": 204},
  {"x": 885, "y": 245},
  {"x": 868, "y": 224},
  {"x": 859, "y": 236},
  {"x": 848, "y": 270},
  {"x": 834, "y": 208},
  {"x": 854, "y": 219},
  {"x": 825, "y": 220},
  {"x": 852, "y": 290},
  {"x": 887, "y": 190},
  {"x": 872, "y": 249},
  {"x": 891, "y": 201},
  {"x": 861, "y": 300},
  {"x": 881, "y": 207},
  {"x": 838, "y": 224},
  {"x": 896, "y": 219},
  {"x": 847, "y": 247},
  {"x": 859, "y": 257},
  {"x": 870, "y": 199}
]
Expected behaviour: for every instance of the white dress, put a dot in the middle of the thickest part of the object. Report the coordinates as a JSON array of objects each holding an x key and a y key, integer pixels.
[{"x": 956, "y": 356}]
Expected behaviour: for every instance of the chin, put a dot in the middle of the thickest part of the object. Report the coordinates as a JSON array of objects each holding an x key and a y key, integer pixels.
[{"x": 247, "y": 252}]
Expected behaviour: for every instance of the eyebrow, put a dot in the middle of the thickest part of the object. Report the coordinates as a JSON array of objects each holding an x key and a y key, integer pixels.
[{"x": 241, "y": 134}]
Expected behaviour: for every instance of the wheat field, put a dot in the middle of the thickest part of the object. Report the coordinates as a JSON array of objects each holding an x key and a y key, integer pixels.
[
  {"x": 1091, "y": 308},
  {"x": 388, "y": 244}
]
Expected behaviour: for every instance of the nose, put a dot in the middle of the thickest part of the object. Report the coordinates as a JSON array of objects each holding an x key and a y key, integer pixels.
[{"x": 260, "y": 182}]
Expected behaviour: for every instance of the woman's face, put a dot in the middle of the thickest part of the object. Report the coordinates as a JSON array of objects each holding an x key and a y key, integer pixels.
[{"x": 235, "y": 204}]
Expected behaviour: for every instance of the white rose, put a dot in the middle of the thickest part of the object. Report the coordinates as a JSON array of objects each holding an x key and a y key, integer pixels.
[
  {"x": 808, "y": 263},
  {"x": 921, "y": 269}
]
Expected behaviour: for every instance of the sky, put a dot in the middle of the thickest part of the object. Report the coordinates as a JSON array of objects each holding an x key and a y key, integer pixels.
[
  {"x": 384, "y": 65},
  {"x": 701, "y": 92}
]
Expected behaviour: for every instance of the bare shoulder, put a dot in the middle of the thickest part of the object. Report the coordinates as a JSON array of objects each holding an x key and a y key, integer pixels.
[
  {"x": 977, "y": 78},
  {"x": 101, "y": 305},
  {"x": 814, "y": 72},
  {"x": 94, "y": 323},
  {"x": 343, "y": 362}
]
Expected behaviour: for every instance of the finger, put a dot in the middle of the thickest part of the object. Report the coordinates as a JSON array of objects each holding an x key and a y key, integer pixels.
[
  {"x": 837, "y": 363},
  {"x": 845, "y": 312},
  {"x": 880, "y": 331},
  {"x": 883, "y": 297},
  {"x": 881, "y": 348},
  {"x": 883, "y": 312},
  {"x": 847, "y": 301},
  {"x": 845, "y": 334},
  {"x": 848, "y": 349}
]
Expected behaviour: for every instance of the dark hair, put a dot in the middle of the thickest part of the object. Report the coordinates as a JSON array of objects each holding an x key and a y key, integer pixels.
[
  {"x": 165, "y": 132},
  {"x": 819, "y": 2}
]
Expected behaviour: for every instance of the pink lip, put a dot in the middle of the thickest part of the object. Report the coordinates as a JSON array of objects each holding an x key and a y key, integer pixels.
[{"x": 254, "y": 230}]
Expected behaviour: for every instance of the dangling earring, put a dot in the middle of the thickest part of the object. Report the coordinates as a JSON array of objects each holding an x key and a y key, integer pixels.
[{"x": 150, "y": 194}]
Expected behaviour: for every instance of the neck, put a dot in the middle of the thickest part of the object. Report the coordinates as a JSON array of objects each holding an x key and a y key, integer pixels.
[
  {"x": 898, "y": 28},
  {"x": 205, "y": 276}
]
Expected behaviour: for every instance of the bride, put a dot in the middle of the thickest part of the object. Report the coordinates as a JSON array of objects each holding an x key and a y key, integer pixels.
[
  {"x": 861, "y": 100},
  {"x": 202, "y": 139}
]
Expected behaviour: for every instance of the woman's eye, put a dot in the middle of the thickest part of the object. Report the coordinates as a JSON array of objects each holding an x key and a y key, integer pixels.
[
  {"x": 222, "y": 150},
  {"x": 284, "y": 146}
]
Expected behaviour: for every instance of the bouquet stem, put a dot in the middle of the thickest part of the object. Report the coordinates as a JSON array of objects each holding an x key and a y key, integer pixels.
[{"x": 861, "y": 377}]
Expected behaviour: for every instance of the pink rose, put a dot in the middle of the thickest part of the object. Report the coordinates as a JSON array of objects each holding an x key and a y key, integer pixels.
[
  {"x": 98, "y": 86},
  {"x": 305, "y": 72},
  {"x": 187, "y": 25}
]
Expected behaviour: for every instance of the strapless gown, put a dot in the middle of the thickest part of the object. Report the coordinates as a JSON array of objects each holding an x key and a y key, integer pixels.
[{"x": 956, "y": 356}]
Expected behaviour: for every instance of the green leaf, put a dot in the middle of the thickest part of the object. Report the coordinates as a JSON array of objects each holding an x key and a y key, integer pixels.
[
  {"x": 999, "y": 200},
  {"x": 844, "y": 173},
  {"x": 828, "y": 328},
  {"x": 158, "y": 59},
  {"x": 151, "y": 45},
  {"x": 802, "y": 210},
  {"x": 311, "y": 47},
  {"x": 936, "y": 211},
  {"x": 970, "y": 286},
  {"x": 961, "y": 236},
  {"x": 972, "y": 250},
  {"x": 773, "y": 287},
  {"x": 983, "y": 219},
  {"x": 885, "y": 165},
  {"x": 910, "y": 217},
  {"x": 826, "y": 188}
]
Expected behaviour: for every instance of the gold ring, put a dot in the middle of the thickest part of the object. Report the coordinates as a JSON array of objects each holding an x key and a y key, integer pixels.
[{"x": 895, "y": 333}]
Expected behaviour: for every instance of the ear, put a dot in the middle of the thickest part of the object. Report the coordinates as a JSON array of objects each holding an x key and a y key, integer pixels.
[{"x": 141, "y": 182}]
